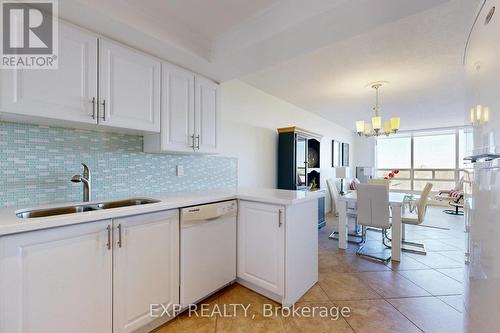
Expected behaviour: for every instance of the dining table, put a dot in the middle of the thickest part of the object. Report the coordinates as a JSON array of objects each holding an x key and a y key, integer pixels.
[{"x": 396, "y": 202}]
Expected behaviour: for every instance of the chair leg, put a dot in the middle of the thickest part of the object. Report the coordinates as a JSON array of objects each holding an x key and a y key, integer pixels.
[
  {"x": 356, "y": 234},
  {"x": 384, "y": 237},
  {"x": 454, "y": 211},
  {"x": 420, "y": 247},
  {"x": 361, "y": 253}
]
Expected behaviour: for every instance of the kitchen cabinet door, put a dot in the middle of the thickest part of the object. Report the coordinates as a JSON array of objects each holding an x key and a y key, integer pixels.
[
  {"x": 146, "y": 267},
  {"x": 177, "y": 109},
  {"x": 129, "y": 88},
  {"x": 57, "y": 280},
  {"x": 261, "y": 245},
  {"x": 65, "y": 93},
  {"x": 207, "y": 115}
]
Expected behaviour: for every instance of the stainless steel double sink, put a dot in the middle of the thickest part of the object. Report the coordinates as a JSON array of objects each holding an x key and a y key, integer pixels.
[{"x": 84, "y": 207}]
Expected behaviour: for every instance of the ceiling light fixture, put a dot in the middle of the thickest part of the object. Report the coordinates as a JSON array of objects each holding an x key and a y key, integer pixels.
[
  {"x": 374, "y": 128},
  {"x": 479, "y": 114}
]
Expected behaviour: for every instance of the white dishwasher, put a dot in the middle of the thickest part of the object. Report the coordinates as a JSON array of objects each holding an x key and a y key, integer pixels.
[{"x": 208, "y": 249}]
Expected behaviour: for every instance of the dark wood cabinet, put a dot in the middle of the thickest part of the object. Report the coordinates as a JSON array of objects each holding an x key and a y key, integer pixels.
[{"x": 299, "y": 163}]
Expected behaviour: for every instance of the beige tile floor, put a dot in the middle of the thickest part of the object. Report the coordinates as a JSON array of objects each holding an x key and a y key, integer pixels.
[{"x": 420, "y": 294}]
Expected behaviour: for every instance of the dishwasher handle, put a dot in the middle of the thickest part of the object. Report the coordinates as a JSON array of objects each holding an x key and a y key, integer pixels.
[{"x": 209, "y": 212}]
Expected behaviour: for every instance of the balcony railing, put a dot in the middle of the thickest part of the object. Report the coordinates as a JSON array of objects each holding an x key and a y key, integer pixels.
[{"x": 415, "y": 179}]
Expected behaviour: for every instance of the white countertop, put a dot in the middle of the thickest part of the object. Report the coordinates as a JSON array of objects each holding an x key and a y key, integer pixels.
[{"x": 10, "y": 223}]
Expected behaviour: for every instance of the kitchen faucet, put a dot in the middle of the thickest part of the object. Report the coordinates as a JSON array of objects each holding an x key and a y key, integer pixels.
[{"x": 86, "y": 180}]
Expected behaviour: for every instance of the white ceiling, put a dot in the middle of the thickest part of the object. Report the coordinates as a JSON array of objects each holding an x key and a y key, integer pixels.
[
  {"x": 317, "y": 54},
  {"x": 202, "y": 16},
  {"x": 420, "y": 55}
]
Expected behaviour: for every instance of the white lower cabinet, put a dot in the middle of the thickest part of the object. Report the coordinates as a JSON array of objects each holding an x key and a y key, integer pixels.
[
  {"x": 57, "y": 280},
  {"x": 146, "y": 268},
  {"x": 261, "y": 245},
  {"x": 86, "y": 278},
  {"x": 278, "y": 249}
]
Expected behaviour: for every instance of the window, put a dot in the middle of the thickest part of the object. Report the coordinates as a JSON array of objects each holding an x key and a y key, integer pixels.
[
  {"x": 394, "y": 153},
  {"x": 434, "y": 151},
  {"x": 423, "y": 157},
  {"x": 464, "y": 146}
]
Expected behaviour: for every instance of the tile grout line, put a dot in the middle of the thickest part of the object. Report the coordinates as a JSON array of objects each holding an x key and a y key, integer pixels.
[
  {"x": 411, "y": 321},
  {"x": 216, "y": 319},
  {"x": 334, "y": 303},
  {"x": 451, "y": 277}
]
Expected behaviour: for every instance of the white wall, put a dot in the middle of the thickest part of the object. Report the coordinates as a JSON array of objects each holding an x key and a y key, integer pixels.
[
  {"x": 364, "y": 154},
  {"x": 250, "y": 118}
]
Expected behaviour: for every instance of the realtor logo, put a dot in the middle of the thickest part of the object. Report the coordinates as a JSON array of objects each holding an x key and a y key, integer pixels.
[{"x": 29, "y": 34}]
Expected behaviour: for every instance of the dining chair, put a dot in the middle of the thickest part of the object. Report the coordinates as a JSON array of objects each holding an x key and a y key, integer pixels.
[
  {"x": 416, "y": 218},
  {"x": 351, "y": 214},
  {"x": 373, "y": 211},
  {"x": 379, "y": 181}
]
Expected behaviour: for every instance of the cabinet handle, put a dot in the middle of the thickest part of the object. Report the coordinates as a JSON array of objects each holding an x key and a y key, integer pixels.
[
  {"x": 198, "y": 142},
  {"x": 119, "y": 235},
  {"x": 280, "y": 218},
  {"x": 192, "y": 141},
  {"x": 108, "y": 244},
  {"x": 93, "y": 107},
  {"x": 103, "y": 110}
]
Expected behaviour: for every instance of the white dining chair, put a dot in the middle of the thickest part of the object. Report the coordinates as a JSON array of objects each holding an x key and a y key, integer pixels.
[
  {"x": 354, "y": 236},
  {"x": 373, "y": 211},
  {"x": 380, "y": 181},
  {"x": 416, "y": 218}
]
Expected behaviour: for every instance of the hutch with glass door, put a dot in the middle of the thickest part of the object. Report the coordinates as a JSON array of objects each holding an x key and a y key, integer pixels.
[{"x": 299, "y": 163}]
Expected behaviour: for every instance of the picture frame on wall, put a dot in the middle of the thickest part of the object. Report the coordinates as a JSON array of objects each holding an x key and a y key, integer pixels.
[
  {"x": 336, "y": 153},
  {"x": 345, "y": 154}
]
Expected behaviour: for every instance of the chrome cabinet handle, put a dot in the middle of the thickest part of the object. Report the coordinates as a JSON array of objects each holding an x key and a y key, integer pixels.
[
  {"x": 198, "y": 142},
  {"x": 108, "y": 244},
  {"x": 103, "y": 110},
  {"x": 192, "y": 142},
  {"x": 119, "y": 235},
  {"x": 93, "y": 107},
  {"x": 280, "y": 218}
]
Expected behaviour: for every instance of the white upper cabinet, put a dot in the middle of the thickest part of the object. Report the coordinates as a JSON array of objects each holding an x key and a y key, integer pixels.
[
  {"x": 102, "y": 82},
  {"x": 57, "y": 280},
  {"x": 65, "y": 93},
  {"x": 207, "y": 115},
  {"x": 177, "y": 117},
  {"x": 129, "y": 88},
  {"x": 189, "y": 114},
  {"x": 123, "y": 93}
]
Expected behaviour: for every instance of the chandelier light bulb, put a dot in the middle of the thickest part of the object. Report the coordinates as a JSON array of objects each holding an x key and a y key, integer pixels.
[
  {"x": 395, "y": 122},
  {"x": 377, "y": 123},
  {"x": 360, "y": 127},
  {"x": 387, "y": 127}
]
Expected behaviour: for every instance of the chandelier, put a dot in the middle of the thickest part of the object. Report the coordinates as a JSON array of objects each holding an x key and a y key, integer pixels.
[{"x": 374, "y": 128}]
